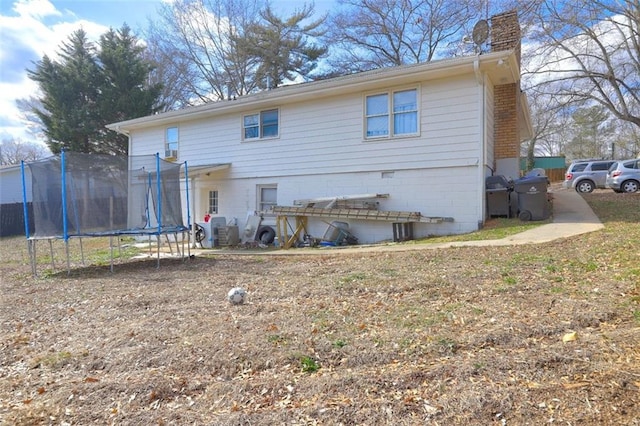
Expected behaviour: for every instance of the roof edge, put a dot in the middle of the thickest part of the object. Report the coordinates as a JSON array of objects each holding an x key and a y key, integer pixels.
[{"x": 303, "y": 91}]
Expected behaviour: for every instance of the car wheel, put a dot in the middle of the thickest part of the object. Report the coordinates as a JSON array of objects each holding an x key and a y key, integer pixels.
[
  {"x": 585, "y": 186},
  {"x": 630, "y": 186}
]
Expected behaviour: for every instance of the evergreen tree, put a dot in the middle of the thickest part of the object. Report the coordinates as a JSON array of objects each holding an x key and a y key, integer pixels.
[
  {"x": 86, "y": 89},
  {"x": 282, "y": 47},
  {"x": 592, "y": 134},
  {"x": 125, "y": 93},
  {"x": 70, "y": 91}
]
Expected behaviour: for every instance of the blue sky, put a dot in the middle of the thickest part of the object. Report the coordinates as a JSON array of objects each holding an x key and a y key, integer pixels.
[{"x": 30, "y": 29}]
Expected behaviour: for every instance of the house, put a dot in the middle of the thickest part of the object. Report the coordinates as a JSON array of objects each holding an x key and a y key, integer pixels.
[
  {"x": 423, "y": 137},
  {"x": 12, "y": 197}
]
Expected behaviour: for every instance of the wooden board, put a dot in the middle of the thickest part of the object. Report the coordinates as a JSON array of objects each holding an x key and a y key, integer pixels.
[{"x": 388, "y": 216}]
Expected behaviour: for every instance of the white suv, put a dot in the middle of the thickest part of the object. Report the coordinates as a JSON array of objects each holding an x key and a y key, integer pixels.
[{"x": 587, "y": 175}]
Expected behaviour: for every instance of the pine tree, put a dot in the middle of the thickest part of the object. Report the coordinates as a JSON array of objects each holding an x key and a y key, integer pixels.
[
  {"x": 87, "y": 88},
  {"x": 125, "y": 93},
  {"x": 70, "y": 90},
  {"x": 282, "y": 47}
]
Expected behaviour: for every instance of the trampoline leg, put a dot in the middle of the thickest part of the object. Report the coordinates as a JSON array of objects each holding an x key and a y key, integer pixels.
[
  {"x": 31, "y": 248},
  {"x": 111, "y": 253},
  {"x": 175, "y": 237},
  {"x": 53, "y": 266},
  {"x": 169, "y": 243},
  {"x": 82, "y": 251},
  {"x": 66, "y": 249},
  {"x": 158, "y": 253}
]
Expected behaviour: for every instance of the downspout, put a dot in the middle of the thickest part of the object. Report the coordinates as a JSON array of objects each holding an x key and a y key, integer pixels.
[{"x": 483, "y": 141}]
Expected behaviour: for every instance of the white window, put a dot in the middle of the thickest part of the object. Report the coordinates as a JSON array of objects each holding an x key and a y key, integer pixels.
[
  {"x": 171, "y": 139},
  {"x": 377, "y": 116},
  {"x": 261, "y": 125},
  {"x": 391, "y": 114},
  {"x": 213, "y": 202},
  {"x": 267, "y": 197}
]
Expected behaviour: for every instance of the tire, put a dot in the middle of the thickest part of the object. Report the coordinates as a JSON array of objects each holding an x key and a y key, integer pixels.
[
  {"x": 630, "y": 186},
  {"x": 265, "y": 234},
  {"x": 525, "y": 216},
  {"x": 200, "y": 235},
  {"x": 585, "y": 186}
]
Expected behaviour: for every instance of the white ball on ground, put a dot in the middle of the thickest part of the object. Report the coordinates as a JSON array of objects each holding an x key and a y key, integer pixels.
[{"x": 237, "y": 296}]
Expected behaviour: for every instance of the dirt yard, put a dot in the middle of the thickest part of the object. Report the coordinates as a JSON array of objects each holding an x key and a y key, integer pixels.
[{"x": 545, "y": 334}]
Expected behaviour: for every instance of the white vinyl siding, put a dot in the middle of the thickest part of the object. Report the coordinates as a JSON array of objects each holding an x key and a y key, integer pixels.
[
  {"x": 325, "y": 136},
  {"x": 11, "y": 184}
]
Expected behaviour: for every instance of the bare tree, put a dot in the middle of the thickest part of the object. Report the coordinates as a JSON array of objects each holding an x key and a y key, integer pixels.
[
  {"x": 552, "y": 140},
  {"x": 369, "y": 34},
  {"x": 626, "y": 143},
  {"x": 14, "y": 150},
  {"x": 589, "y": 54},
  {"x": 194, "y": 49},
  {"x": 171, "y": 69},
  {"x": 544, "y": 117}
]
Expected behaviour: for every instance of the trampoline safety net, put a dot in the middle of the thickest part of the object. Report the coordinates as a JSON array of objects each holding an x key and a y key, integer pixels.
[{"x": 76, "y": 194}]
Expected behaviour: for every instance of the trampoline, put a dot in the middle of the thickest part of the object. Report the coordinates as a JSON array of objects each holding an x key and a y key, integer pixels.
[{"x": 76, "y": 195}]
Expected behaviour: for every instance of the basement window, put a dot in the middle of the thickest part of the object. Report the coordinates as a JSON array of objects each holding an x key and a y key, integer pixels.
[{"x": 267, "y": 197}]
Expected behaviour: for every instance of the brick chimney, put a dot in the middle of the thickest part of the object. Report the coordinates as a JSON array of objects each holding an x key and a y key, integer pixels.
[
  {"x": 505, "y": 35},
  {"x": 505, "y": 32}
]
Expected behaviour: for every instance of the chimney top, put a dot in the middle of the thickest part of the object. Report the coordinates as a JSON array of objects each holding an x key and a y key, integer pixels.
[{"x": 505, "y": 32}]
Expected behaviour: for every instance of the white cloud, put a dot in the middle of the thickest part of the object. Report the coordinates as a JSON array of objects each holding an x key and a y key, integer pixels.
[
  {"x": 35, "y": 8},
  {"x": 35, "y": 28}
]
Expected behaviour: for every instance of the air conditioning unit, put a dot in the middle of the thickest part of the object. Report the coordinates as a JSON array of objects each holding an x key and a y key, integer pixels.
[{"x": 171, "y": 153}]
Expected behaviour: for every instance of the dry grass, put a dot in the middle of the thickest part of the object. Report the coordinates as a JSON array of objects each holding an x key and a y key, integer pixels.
[{"x": 450, "y": 336}]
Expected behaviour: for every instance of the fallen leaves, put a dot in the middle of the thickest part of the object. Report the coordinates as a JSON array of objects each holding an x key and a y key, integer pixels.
[
  {"x": 418, "y": 338},
  {"x": 576, "y": 385},
  {"x": 569, "y": 337}
]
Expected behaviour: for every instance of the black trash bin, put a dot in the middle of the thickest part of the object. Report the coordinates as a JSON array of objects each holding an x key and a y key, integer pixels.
[
  {"x": 533, "y": 200},
  {"x": 498, "y": 191}
]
